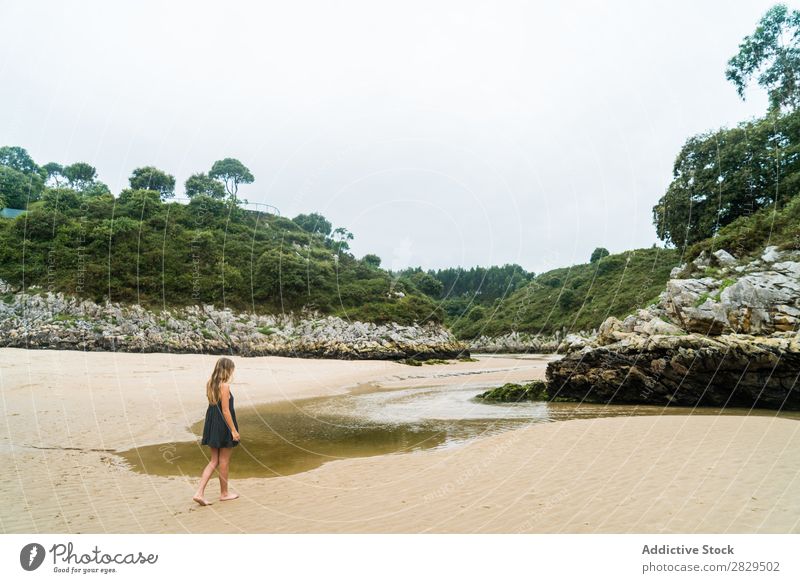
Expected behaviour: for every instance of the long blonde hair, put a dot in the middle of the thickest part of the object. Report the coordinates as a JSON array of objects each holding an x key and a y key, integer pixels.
[{"x": 223, "y": 371}]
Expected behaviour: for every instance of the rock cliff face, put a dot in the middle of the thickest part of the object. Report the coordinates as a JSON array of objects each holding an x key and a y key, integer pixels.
[
  {"x": 56, "y": 321},
  {"x": 724, "y": 371},
  {"x": 724, "y": 333}
]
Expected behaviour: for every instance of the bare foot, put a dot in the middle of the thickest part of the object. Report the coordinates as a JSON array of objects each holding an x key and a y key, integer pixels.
[
  {"x": 229, "y": 496},
  {"x": 201, "y": 501}
]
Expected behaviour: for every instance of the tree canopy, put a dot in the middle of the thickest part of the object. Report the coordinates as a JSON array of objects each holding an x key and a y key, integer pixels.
[
  {"x": 21, "y": 179},
  {"x": 232, "y": 173},
  {"x": 80, "y": 175},
  {"x": 201, "y": 184},
  {"x": 722, "y": 175},
  {"x": 18, "y": 159},
  {"x": 151, "y": 178},
  {"x": 598, "y": 254},
  {"x": 729, "y": 173},
  {"x": 314, "y": 223},
  {"x": 18, "y": 188},
  {"x": 79, "y": 239},
  {"x": 53, "y": 173},
  {"x": 772, "y": 53}
]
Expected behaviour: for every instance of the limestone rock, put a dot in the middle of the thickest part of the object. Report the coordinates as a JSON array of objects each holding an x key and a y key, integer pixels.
[{"x": 56, "y": 321}]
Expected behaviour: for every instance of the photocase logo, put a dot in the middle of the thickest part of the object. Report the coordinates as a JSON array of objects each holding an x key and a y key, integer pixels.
[{"x": 31, "y": 556}]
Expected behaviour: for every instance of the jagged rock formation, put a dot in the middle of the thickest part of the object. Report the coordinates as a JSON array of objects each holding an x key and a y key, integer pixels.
[
  {"x": 56, "y": 321},
  {"x": 514, "y": 342},
  {"x": 724, "y": 333},
  {"x": 760, "y": 297},
  {"x": 726, "y": 371}
]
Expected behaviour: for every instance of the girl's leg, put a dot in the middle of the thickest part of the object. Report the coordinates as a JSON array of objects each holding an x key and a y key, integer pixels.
[
  {"x": 200, "y": 496},
  {"x": 224, "y": 462}
]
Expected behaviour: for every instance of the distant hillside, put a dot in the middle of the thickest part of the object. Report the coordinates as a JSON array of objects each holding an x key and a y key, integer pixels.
[
  {"x": 137, "y": 248},
  {"x": 574, "y": 298}
]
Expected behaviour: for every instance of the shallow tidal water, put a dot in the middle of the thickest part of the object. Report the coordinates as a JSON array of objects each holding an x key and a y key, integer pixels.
[{"x": 286, "y": 438}]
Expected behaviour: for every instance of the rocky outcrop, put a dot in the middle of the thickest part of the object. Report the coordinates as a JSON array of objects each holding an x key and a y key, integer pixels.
[
  {"x": 724, "y": 333},
  {"x": 59, "y": 322},
  {"x": 515, "y": 342},
  {"x": 714, "y": 295},
  {"x": 733, "y": 370}
]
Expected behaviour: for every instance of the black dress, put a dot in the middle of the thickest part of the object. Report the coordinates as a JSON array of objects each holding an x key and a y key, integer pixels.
[{"x": 215, "y": 431}]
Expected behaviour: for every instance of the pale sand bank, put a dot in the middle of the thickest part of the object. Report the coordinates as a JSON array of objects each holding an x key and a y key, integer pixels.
[{"x": 640, "y": 474}]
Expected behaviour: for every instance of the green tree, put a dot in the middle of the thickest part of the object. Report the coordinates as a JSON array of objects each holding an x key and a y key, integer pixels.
[
  {"x": 773, "y": 53},
  {"x": 202, "y": 184},
  {"x": 341, "y": 236},
  {"x": 232, "y": 173},
  {"x": 95, "y": 189},
  {"x": 18, "y": 159},
  {"x": 18, "y": 188},
  {"x": 598, "y": 254},
  {"x": 427, "y": 283},
  {"x": 53, "y": 174},
  {"x": 371, "y": 260},
  {"x": 80, "y": 175},
  {"x": 567, "y": 299},
  {"x": 722, "y": 175},
  {"x": 314, "y": 223},
  {"x": 151, "y": 178}
]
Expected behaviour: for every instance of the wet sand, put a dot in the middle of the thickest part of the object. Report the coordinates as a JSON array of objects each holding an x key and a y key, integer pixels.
[{"x": 66, "y": 414}]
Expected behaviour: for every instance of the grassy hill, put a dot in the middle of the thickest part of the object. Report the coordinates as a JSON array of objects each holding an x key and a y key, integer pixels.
[
  {"x": 138, "y": 248},
  {"x": 574, "y": 298},
  {"x": 581, "y": 297},
  {"x": 748, "y": 235}
]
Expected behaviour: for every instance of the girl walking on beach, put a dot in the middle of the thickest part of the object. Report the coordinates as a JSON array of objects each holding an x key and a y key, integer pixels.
[{"x": 220, "y": 432}]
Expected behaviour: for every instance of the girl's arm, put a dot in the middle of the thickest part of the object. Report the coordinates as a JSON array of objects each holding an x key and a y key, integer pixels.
[{"x": 225, "y": 394}]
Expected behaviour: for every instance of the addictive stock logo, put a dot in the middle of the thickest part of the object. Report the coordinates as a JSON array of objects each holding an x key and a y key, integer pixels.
[{"x": 31, "y": 556}]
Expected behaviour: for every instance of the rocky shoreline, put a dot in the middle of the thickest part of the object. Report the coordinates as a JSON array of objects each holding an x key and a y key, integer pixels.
[
  {"x": 514, "y": 343},
  {"x": 59, "y": 322},
  {"x": 724, "y": 333}
]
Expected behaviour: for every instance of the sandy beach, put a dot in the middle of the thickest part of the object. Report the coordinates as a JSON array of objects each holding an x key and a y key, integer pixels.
[{"x": 66, "y": 413}]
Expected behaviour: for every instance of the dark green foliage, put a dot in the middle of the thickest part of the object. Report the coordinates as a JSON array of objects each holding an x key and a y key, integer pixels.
[
  {"x": 53, "y": 174},
  {"x": 567, "y": 299},
  {"x": 426, "y": 283},
  {"x": 151, "y": 178},
  {"x": 80, "y": 175},
  {"x": 773, "y": 53},
  {"x": 574, "y": 298},
  {"x": 314, "y": 223},
  {"x": 202, "y": 184},
  {"x": 723, "y": 175},
  {"x": 478, "y": 284},
  {"x": 747, "y": 236},
  {"x": 339, "y": 239},
  {"x": 232, "y": 173},
  {"x": 598, "y": 254},
  {"x": 372, "y": 260},
  {"x": 18, "y": 159},
  {"x": 18, "y": 189},
  {"x": 138, "y": 248},
  {"x": 514, "y": 393}
]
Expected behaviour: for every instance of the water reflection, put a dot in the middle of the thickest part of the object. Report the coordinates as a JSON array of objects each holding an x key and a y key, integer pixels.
[{"x": 292, "y": 437}]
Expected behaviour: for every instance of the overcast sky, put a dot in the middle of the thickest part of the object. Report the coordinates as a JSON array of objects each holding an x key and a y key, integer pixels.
[{"x": 439, "y": 133}]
